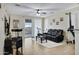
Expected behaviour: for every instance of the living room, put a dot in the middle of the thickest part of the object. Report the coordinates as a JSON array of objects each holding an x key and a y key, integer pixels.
[{"x": 52, "y": 24}]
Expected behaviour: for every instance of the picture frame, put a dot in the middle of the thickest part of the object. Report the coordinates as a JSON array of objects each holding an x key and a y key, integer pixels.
[
  {"x": 61, "y": 18},
  {"x": 57, "y": 23},
  {"x": 53, "y": 20},
  {"x": 15, "y": 23}
]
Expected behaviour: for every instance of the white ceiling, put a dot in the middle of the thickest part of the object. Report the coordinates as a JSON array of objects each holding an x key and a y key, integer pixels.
[{"x": 30, "y": 9}]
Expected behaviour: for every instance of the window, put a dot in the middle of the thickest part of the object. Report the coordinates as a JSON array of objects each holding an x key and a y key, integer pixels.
[{"x": 28, "y": 23}]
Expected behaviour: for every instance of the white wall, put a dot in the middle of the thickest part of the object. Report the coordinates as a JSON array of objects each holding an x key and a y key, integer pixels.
[
  {"x": 2, "y": 36},
  {"x": 77, "y": 33},
  {"x": 62, "y": 24},
  {"x": 37, "y": 23}
]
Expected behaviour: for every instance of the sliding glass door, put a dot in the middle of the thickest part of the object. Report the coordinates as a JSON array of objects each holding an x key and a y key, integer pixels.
[{"x": 28, "y": 28}]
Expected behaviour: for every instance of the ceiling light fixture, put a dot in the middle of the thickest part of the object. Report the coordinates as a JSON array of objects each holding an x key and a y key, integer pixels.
[{"x": 38, "y": 14}]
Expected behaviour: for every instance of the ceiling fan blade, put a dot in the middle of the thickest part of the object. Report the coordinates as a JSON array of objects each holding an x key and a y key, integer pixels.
[{"x": 49, "y": 9}]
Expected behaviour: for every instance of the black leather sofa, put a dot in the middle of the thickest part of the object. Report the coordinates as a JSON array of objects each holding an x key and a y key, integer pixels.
[{"x": 55, "y": 35}]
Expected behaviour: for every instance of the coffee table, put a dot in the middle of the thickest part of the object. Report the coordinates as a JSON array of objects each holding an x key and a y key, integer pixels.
[{"x": 41, "y": 38}]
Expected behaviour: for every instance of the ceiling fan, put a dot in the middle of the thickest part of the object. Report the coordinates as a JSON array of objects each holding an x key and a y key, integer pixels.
[{"x": 37, "y": 11}]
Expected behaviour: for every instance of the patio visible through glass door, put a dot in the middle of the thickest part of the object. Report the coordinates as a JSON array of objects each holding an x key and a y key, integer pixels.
[{"x": 28, "y": 28}]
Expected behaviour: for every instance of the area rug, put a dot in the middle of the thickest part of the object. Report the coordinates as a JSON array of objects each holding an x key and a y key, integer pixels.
[{"x": 49, "y": 44}]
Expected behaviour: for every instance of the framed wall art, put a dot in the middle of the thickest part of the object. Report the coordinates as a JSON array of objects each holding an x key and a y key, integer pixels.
[
  {"x": 57, "y": 23},
  {"x": 15, "y": 23},
  {"x": 53, "y": 20},
  {"x": 61, "y": 18}
]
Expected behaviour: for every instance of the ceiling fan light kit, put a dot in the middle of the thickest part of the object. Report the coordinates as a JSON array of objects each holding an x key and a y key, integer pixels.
[{"x": 38, "y": 14}]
